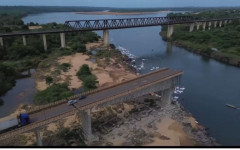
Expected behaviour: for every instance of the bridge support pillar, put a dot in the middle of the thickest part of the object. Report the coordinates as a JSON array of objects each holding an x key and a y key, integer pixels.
[
  {"x": 86, "y": 124},
  {"x": 1, "y": 41},
  {"x": 167, "y": 96},
  {"x": 230, "y": 21},
  {"x": 204, "y": 26},
  {"x": 198, "y": 25},
  {"x": 191, "y": 27},
  {"x": 38, "y": 138},
  {"x": 63, "y": 42},
  {"x": 44, "y": 42},
  {"x": 24, "y": 40},
  {"x": 225, "y": 22},
  {"x": 170, "y": 31},
  {"x": 106, "y": 37},
  {"x": 220, "y": 24},
  {"x": 209, "y": 25},
  {"x": 215, "y": 24}
]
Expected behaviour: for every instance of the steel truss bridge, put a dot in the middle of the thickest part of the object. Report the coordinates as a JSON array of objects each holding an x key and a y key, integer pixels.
[{"x": 107, "y": 24}]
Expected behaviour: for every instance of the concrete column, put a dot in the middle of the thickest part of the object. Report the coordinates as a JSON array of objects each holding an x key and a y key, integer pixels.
[
  {"x": 198, "y": 25},
  {"x": 63, "y": 42},
  {"x": 44, "y": 42},
  {"x": 230, "y": 21},
  {"x": 86, "y": 124},
  {"x": 191, "y": 27},
  {"x": 204, "y": 26},
  {"x": 220, "y": 24},
  {"x": 24, "y": 40},
  {"x": 38, "y": 138},
  {"x": 106, "y": 37},
  {"x": 167, "y": 96},
  {"x": 225, "y": 22},
  {"x": 1, "y": 41},
  {"x": 209, "y": 25},
  {"x": 215, "y": 24},
  {"x": 170, "y": 31}
]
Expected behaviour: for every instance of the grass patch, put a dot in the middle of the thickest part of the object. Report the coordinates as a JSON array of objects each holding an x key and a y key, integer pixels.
[{"x": 53, "y": 93}]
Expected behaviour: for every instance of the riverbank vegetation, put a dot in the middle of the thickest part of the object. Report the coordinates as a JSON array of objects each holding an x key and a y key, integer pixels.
[
  {"x": 54, "y": 92},
  {"x": 89, "y": 80},
  {"x": 222, "y": 44},
  {"x": 18, "y": 57}
]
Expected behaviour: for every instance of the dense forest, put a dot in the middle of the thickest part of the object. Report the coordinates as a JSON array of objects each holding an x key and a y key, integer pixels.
[{"x": 223, "y": 43}]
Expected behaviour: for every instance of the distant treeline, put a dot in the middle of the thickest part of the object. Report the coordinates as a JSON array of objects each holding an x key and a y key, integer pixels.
[
  {"x": 24, "y": 10},
  {"x": 222, "y": 44}
]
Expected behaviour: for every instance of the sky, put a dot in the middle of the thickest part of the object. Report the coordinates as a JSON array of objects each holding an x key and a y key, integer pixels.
[{"x": 122, "y": 3}]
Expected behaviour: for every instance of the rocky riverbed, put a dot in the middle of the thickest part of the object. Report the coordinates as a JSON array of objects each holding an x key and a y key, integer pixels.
[{"x": 147, "y": 123}]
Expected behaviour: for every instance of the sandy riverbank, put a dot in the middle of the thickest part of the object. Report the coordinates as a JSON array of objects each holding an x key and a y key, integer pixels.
[
  {"x": 120, "y": 13},
  {"x": 106, "y": 75}
]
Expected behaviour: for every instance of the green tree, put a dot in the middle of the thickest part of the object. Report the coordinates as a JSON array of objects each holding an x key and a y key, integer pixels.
[
  {"x": 83, "y": 72},
  {"x": 53, "y": 93},
  {"x": 49, "y": 80},
  {"x": 90, "y": 82}
]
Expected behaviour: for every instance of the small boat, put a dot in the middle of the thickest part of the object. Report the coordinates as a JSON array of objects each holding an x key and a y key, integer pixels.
[{"x": 229, "y": 105}]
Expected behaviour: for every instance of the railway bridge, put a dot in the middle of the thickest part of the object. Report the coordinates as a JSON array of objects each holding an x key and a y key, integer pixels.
[
  {"x": 109, "y": 24},
  {"x": 163, "y": 80}
]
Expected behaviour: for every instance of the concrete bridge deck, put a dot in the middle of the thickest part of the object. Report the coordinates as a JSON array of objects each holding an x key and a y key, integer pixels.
[{"x": 58, "y": 112}]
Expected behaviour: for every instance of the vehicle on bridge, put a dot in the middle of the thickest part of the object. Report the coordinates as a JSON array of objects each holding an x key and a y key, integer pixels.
[
  {"x": 82, "y": 97},
  {"x": 71, "y": 102},
  {"x": 15, "y": 122}
]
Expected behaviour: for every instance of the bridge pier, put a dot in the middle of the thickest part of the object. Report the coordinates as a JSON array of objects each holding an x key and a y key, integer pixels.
[
  {"x": 230, "y": 21},
  {"x": 1, "y": 41},
  {"x": 209, "y": 25},
  {"x": 44, "y": 42},
  {"x": 38, "y": 137},
  {"x": 225, "y": 22},
  {"x": 170, "y": 31},
  {"x": 198, "y": 25},
  {"x": 24, "y": 40},
  {"x": 106, "y": 37},
  {"x": 63, "y": 42},
  {"x": 215, "y": 24},
  {"x": 86, "y": 124},
  {"x": 191, "y": 27},
  {"x": 204, "y": 26},
  {"x": 220, "y": 24},
  {"x": 167, "y": 96}
]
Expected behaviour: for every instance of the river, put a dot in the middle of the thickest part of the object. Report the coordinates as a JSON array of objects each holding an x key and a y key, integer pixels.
[{"x": 209, "y": 84}]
